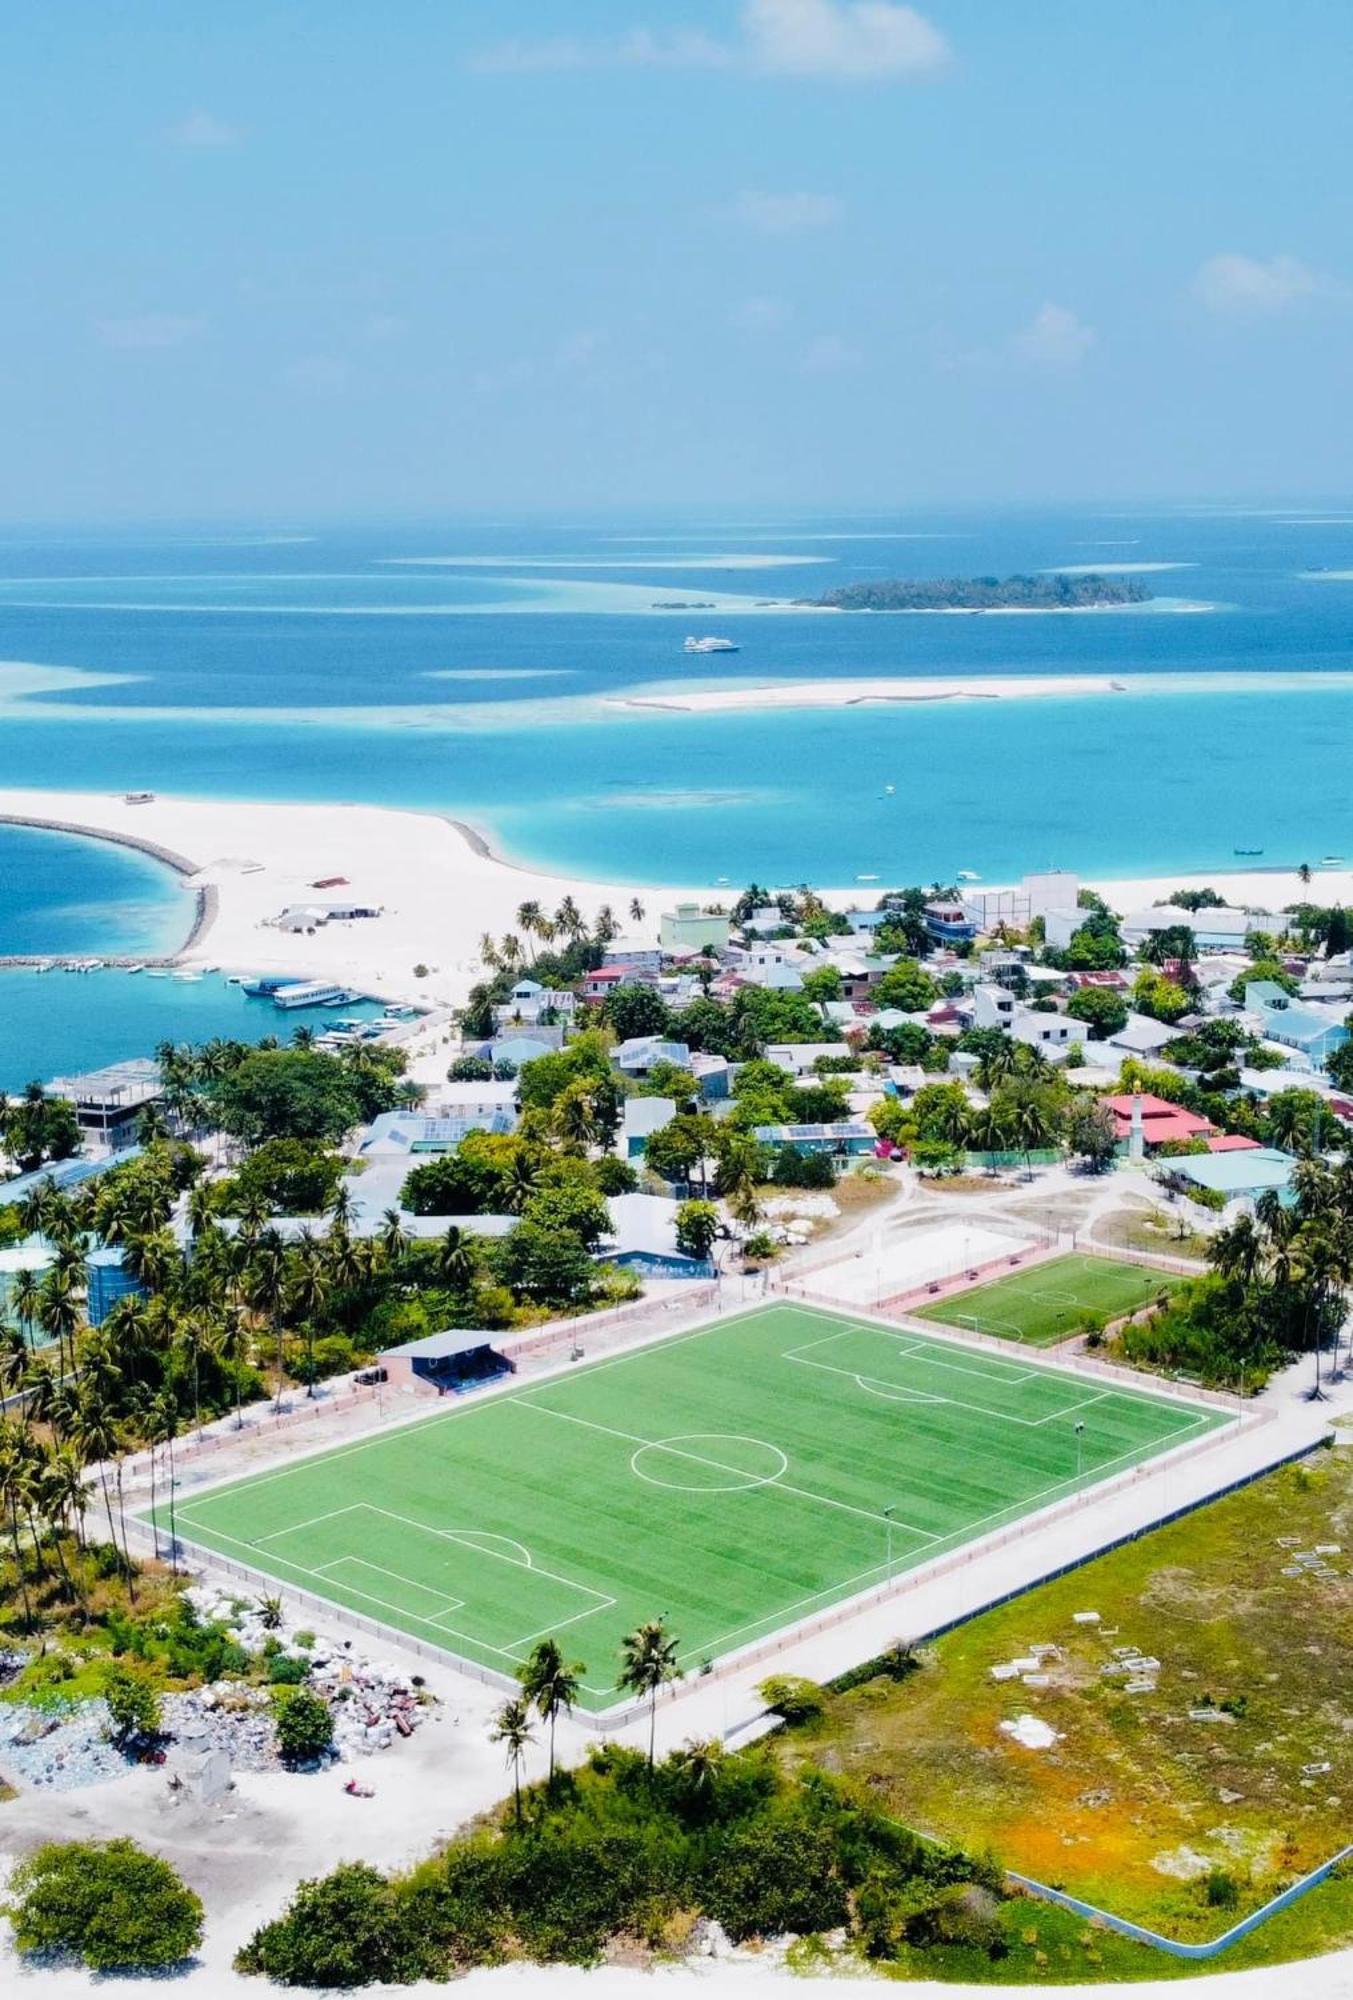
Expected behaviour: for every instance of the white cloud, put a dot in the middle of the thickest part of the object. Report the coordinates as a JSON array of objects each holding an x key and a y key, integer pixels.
[
  {"x": 1054, "y": 338},
  {"x": 782, "y": 214},
  {"x": 1233, "y": 283},
  {"x": 830, "y": 354},
  {"x": 204, "y": 131},
  {"x": 760, "y": 316},
  {"x": 852, "y": 40},
  {"x": 639, "y": 48},
  {"x": 149, "y": 330},
  {"x": 862, "y": 39}
]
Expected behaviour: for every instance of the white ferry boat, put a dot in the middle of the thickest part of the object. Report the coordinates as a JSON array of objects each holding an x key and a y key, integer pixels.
[
  {"x": 709, "y": 645},
  {"x": 310, "y": 993}
]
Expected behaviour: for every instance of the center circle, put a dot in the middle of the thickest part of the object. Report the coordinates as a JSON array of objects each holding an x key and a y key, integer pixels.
[{"x": 709, "y": 1462}]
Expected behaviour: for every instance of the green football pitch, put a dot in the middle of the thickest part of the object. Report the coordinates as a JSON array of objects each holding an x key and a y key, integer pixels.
[
  {"x": 1049, "y": 1301},
  {"x": 732, "y": 1479}
]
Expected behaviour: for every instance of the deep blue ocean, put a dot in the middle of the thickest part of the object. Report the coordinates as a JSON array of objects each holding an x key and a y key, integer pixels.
[{"x": 466, "y": 667}]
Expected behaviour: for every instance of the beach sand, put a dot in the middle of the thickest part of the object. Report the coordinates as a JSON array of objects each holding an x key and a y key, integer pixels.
[{"x": 439, "y": 886}]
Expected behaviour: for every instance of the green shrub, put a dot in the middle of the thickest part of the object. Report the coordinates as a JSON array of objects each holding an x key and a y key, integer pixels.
[
  {"x": 106, "y": 1903},
  {"x": 349, "y": 1928},
  {"x": 962, "y": 1914},
  {"x": 305, "y": 1728},
  {"x": 792, "y": 1698},
  {"x": 285, "y": 1670},
  {"x": 775, "y": 1874},
  {"x": 1221, "y": 1891},
  {"x": 133, "y": 1706}
]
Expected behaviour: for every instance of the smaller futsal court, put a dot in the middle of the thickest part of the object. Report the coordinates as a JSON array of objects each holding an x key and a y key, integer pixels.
[
  {"x": 1050, "y": 1300},
  {"x": 733, "y": 1479}
]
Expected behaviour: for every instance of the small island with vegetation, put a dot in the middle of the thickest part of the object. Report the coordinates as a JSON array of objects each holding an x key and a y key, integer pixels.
[{"x": 1089, "y": 592}]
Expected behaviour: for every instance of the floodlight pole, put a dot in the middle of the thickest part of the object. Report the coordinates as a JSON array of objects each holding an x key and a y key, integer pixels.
[
  {"x": 1080, "y": 1435},
  {"x": 888, "y": 1517}
]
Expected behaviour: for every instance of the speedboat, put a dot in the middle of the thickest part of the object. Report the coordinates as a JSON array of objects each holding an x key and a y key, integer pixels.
[
  {"x": 967, "y": 875},
  {"x": 709, "y": 645}
]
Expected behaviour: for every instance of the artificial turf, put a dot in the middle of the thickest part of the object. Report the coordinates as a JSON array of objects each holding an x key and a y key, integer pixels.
[
  {"x": 1045, "y": 1303},
  {"x": 732, "y": 1479}
]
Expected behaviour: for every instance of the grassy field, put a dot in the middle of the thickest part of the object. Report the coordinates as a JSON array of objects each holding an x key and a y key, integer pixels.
[
  {"x": 1235, "y": 1770},
  {"x": 1044, "y": 1304},
  {"x": 733, "y": 1479}
]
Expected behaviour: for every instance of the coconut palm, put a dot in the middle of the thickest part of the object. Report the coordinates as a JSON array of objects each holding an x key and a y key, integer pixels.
[
  {"x": 512, "y": 1728},
  {"x": 648, "y": 1658},
  {"x": 551, "y": 1685},
  {"x": 394, "y": 1237},
  {"x": 309, "y": 1291},
  {"x": 455, "y": 1259},
  {"x": 636, "y": 910}
]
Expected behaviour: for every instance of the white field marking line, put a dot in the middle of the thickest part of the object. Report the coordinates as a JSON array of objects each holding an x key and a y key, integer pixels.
[
  {"x": 515, "y": 1648},
  {"x": 796, "y": 1353},
  {"x": 886, "y": 1389},
  {"x": 334, "y": 1514},
  {"x": 956, "y": 1537},
  {"x": 720, "y": 1323},
  {"x": 1058, "y": 1415},
  {"x": 409, "y": 1617},
  {"x": 887, "y": 1395},
  {"x": 920, "y": 1347},
  {"x": 456, "y": 1535},
  {"x": 799, "y": 1492},
  {"x": 746, "y": 1481},
  {"x": 444, "y": 1599},
  {"x": 995, "y": 1329}
]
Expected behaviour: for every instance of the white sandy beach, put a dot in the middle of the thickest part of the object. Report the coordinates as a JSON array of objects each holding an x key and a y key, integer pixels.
[
  {"x": 863, "y": 693},
  {"x": 438, "y": 886}
]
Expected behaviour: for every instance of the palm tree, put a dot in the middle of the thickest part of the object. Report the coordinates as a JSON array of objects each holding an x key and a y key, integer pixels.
[
  {"x": 25, "y": 1299},
  {"x": 1237, "y": 1252},
  {"x": 648, "y": 1661},
  {"x": 569, "y": 919},
  {"x": 636, "y": 910},
  {"x": 521, "y": 1180},
  {"x": 11, "y": 1488},
  {"x": 309, "y": 1290},
  {"x": 512, "y": 1727},
  {"x": 394, "y": 1237},
  {"x": 551, "y": 1684},
  {"x": 60, "y": 1314},
  {"x": 455, "y": 1259},
  {"x": 265, "y": 1288},
  {"x": 528, "y": 921},
  {"x": 234, "y": 1350},
  {"x": 163, "y": 1427},
  {"x": 97, "y": 1442}
]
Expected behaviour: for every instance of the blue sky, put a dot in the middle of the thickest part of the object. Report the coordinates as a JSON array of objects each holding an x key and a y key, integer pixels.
[{"x": 316, "y": 257}]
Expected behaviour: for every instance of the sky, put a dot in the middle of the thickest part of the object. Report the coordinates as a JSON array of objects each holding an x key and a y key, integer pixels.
[{"x": 321, "y": 258}]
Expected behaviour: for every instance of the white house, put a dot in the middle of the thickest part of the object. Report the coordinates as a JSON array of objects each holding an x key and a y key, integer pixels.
[
  {"x": 1141, "y": 1036},
  {"x": 1055, "y": 1035},
  {"x": 1215, "y": 930},
  {"x": 798, "y": 1057}
]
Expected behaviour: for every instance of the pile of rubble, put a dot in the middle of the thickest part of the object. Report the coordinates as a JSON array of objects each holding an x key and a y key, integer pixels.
[
  {"x": 57, "y": 1749},
  {"x": 372, "y": 1701}
]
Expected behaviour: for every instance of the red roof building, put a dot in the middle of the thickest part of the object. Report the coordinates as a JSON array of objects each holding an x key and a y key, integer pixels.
[
  {"x": 1233, "y": 1142},
  {"x": 1162, "y": 1121}
]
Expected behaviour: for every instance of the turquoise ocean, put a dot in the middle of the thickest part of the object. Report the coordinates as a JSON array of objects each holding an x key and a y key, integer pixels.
[{"x": 481, "y": 669}]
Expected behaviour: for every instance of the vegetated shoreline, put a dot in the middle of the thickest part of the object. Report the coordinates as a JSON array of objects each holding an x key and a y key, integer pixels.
[
  {"x": 1090, "y": 590},
  {"x": 441, "y": 883}
]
